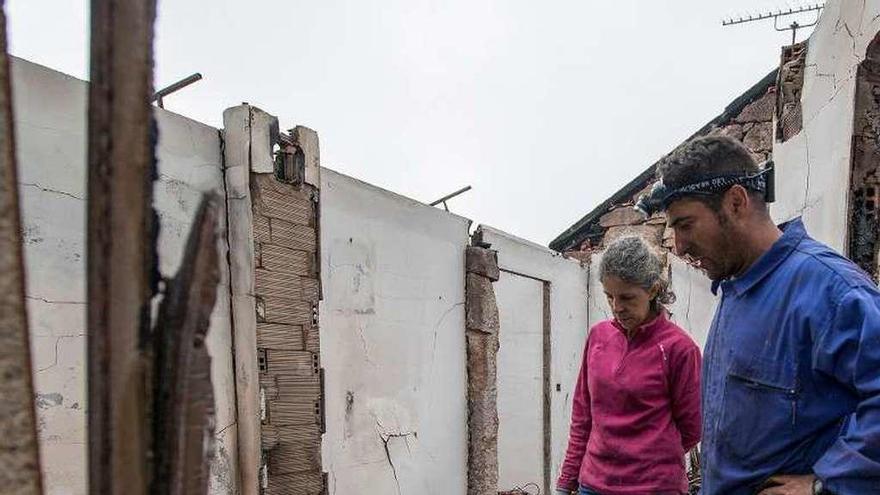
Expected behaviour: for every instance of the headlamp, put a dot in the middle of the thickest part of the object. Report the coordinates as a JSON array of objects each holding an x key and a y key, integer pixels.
[{"x": 660, "y": 196}]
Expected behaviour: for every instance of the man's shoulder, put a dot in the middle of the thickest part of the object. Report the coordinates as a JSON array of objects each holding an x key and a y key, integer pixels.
[{"x": 816, "y": 265}]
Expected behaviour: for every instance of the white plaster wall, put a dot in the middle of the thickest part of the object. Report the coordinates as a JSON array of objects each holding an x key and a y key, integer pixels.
[
  {"x": 694, "y": 306},
  {"x": 392, "y": 342},
  {"x": 190, "y": 164},
  {"x": 520, "y": 381},
  {"x": 813, "y": 167},
  {"x": 50, "y": 126},
  {"x": 49, "y": 110},
  {"x": 569, "y": 322}
]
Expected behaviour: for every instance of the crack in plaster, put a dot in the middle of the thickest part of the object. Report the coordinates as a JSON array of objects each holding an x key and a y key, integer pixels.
[
  {"x": 363, "y": 339},
  {"x": 49, "y": 301},
  {"x": 50, "y": 190},
  {"x": 385, "y": 438},
  {"x": 862, "y": 17},
  {"x": 809, "y": 170},
  {"x": 852, "y": 38},
  {"x": 838, "y": 87},
  {"x": 390, "y": 462},
  {"x": 55, "y": 358},
  {"x": 434, "y": 340},
  {"x": 223, "y": 430},
  {"x": 687, "y": 311}
]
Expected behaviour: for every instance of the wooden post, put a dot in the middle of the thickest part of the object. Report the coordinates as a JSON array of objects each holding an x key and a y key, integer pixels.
[
  {"x": 19, "y": 457},
  {"x": 122, "y": 271},
  {"x": 183, "y": 423}
]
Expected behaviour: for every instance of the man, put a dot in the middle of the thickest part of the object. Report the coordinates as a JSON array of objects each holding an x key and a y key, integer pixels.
[{"x": 791, "y": 371}]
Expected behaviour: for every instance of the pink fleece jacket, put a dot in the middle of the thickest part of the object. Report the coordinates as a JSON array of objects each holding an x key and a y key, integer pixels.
[{"x": 635, "y": 412}]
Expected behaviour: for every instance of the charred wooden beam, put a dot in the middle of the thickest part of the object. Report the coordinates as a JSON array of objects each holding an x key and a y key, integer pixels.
[
  {"x": 122, "y": 271},
  {"x": 183, "y": 424}
]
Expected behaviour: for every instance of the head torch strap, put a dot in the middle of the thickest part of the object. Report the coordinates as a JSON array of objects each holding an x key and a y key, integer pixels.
[{"x": 661, "y": 196}]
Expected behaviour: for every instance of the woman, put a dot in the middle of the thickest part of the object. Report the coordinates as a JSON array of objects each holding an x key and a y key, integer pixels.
[{"x": 636, "y": 406}]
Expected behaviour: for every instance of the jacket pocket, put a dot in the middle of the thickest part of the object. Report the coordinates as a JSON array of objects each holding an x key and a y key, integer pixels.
[{"x": 760, "y": 408}]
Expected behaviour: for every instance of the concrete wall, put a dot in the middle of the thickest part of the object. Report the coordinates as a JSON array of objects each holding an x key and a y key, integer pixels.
[
  {"x": 49, "y": 111},
  {"x": 520, "y": 358},
  {"x": 520, "y": 380},
  {"x": 813, "y": 167},
  {"x": 50, "y": 126},
  {"x": 392, "y": 342}
]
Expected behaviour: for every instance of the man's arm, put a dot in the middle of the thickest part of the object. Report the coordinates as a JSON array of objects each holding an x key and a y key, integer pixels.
[{"x": 849, "y": 350}]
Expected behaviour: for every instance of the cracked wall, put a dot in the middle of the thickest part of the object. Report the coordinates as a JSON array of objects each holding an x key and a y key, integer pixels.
[
  {"x": 50, "y": 119},
  {"x": 814, "y": 165},
  {"x": 864, "y": 225},
  {"x": 392, "y": 342}
]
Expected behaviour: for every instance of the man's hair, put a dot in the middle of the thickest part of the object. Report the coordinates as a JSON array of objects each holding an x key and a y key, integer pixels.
[{"x": 704, "y": 157}]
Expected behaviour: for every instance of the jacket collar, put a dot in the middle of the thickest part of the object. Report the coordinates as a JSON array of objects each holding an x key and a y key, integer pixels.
[
  {"x": 793, "y": 232},
  {"x": 647, "y": 328}
]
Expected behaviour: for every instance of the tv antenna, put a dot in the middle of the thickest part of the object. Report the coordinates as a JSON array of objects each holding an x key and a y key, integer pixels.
[{"x": 778, "y": 14}]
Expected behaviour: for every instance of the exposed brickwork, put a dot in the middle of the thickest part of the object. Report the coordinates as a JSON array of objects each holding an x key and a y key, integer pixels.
[
  {"x": 287, "y": 289},
  {"x": 753, "y": 126},
  {"x": 789, "y": 117},
  {"x": 864, "y": 226},
  {"x": 748, "y": 119}
]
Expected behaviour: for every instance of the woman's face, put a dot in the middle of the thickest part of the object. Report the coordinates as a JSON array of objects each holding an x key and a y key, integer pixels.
[{"x": 630, "y": 303}]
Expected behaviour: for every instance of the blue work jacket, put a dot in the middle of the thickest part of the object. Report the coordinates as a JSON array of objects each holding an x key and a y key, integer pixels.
[{"x": 791, "y": 373}]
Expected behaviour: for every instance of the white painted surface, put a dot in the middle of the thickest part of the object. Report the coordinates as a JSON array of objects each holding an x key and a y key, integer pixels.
[
  {"x": 190, "y": 164},
  {"x": 392, "y": 342},
  {"x": 568, "y": 332},
  {"x": 240, "y": 150},
  {"x": 813, "y": 167},
  {"x": 694, "y": 306},
  {"x": 50, "y": 119},
  {"x": 49, "y": 113},
  {"x": 520, "y": 381}
]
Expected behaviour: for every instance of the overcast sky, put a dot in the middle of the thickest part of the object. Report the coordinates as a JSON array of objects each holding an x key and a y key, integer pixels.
[{"x": 546, "y": 108}]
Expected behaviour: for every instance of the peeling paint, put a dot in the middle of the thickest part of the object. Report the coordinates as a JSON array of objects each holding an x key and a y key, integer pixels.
[{"x": 45, "y": 401}]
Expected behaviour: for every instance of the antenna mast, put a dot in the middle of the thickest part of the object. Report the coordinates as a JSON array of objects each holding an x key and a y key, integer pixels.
[{"x": 793, "y": 27}]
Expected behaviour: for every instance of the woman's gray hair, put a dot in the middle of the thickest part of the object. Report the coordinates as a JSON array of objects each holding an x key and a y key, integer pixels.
[{"x": 634, "y": 261}]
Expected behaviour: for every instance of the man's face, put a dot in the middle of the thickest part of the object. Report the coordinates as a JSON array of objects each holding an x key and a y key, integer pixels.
[{"x": 704, "y": 236}]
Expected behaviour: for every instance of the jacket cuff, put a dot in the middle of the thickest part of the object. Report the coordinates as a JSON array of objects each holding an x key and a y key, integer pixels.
[{"x": 566, "y": 483}]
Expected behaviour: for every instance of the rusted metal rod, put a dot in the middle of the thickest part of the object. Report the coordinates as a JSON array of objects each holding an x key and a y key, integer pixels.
[
  {"x": 450, "y": 196},
  {"x": 162, "y": 93}
]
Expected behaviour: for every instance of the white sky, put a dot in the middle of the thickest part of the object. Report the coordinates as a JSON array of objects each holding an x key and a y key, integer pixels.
[{"x": 545, "y": 107}]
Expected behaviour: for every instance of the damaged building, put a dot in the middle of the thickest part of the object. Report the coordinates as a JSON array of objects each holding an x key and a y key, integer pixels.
[{"x": 364, "y": 339}]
